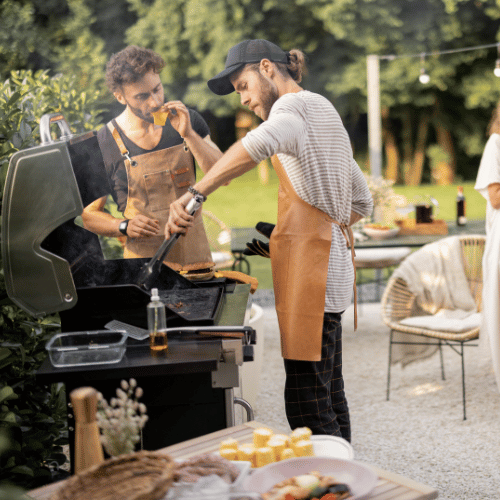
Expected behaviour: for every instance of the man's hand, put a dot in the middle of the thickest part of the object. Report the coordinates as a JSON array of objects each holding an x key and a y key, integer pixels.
[
  {"x": 142, "y": 227},
  {"x": 181, "y": 121},
  {"x": 179, "y": 221}
]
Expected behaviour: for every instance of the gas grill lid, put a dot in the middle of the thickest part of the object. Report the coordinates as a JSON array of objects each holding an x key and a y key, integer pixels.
[{"x": 43, "y": 191}]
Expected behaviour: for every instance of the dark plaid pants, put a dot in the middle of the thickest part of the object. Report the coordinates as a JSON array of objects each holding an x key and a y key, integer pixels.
[{"x": 314, "y": 390}]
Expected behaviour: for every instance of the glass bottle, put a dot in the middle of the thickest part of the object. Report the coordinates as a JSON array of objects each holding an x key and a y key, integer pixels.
[
  {"x": 157, "y": 323},
  {"x": 461, "y": 218}
]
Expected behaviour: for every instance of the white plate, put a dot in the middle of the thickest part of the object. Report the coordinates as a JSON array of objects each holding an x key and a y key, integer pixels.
[
  {"x": 380, "y": 234},
  {"x": 360, "y": 478},
  {"x": 331, "y": 447}
]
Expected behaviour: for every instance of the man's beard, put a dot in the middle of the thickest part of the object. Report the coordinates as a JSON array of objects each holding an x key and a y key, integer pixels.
[
  {"x": 269, "y": 95},
  {"x": 137, "y": 112}
]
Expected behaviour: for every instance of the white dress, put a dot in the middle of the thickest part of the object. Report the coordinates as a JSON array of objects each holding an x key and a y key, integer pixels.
[{"x": 489, "y": 173}]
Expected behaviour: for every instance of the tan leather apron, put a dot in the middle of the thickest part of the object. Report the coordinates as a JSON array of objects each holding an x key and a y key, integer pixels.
[
  {"x": 155, "y": 180},
  {"x": 300, "y": 252}
]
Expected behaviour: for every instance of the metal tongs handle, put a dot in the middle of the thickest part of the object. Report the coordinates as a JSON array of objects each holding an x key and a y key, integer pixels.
[{"x": 153, "y": 266}]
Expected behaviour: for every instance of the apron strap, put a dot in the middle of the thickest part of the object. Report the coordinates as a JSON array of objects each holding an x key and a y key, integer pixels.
[
  {"x": 349, "y": 237},
  {"x": 121, "y": 145}
]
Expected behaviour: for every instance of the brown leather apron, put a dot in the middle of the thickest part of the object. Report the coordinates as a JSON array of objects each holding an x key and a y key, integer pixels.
[
  {"x": 155, "y": 180},
  {"x": 300, "y": 252}
]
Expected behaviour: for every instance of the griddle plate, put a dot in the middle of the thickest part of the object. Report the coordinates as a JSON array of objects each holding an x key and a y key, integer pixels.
[{"x": 194, "y": 304}]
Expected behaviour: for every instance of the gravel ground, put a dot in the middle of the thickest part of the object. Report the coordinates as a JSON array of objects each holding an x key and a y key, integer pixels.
[{"x": 420, "y": 433}]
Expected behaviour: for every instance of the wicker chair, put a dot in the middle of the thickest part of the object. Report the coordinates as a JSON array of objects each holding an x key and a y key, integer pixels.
[
  {"x": 399, "y": 303},
  {"x": 219, "y": 239}
]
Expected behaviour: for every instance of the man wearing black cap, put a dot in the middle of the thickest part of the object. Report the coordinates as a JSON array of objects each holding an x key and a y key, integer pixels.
[{"x": 322, "y": 193}]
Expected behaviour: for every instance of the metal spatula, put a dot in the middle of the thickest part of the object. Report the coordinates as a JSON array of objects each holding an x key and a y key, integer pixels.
[{"x": 152, "y": 268}]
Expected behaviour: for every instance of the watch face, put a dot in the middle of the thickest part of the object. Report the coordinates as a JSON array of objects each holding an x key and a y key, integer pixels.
[{"x": 123, "y": 226}]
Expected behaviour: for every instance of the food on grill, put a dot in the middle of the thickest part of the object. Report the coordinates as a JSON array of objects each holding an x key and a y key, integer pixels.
[
  {"x": 199, "y": 466},
  {"x": 160, "y": 117},
  {"x": 239, "y": 277},
  {"x": 198, "y": 274},
  {"x": 268, "y": 447},
  {"x": 308, "y": 486}
]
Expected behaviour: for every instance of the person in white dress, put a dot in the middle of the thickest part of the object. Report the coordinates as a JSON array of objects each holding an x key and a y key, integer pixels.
[{"x": 488, "y": 184}]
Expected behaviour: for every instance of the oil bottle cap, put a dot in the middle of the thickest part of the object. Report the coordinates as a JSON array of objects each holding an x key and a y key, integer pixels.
[{"x": 154, "y": 294}]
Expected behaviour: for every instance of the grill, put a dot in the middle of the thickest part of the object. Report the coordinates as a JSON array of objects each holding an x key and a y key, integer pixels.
[{"x": 53, "y": 265}]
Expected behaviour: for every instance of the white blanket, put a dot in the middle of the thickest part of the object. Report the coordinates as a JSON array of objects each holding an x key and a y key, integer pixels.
[{"x": 435, "y": 274}]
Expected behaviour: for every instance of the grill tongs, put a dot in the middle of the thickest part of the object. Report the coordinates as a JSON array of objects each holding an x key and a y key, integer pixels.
[{"x": 152, "y": 268}]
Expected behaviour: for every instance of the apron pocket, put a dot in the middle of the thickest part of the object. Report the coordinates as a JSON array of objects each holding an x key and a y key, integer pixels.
[{"x": 158, "y": 190}]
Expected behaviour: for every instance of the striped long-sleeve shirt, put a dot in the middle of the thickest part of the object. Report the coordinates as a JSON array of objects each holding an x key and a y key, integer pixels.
[{"x": 307, "y": 134}]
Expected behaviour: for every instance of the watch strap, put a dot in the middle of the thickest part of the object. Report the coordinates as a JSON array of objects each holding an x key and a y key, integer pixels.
[{"x": 123, "y": 226}]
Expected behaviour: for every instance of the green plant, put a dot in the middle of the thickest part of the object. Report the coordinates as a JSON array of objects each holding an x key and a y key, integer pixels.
[{"x": 33, "y": 415}]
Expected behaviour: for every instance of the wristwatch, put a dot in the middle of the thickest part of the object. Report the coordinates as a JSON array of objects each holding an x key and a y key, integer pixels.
[{"x": 123, "y": 226}]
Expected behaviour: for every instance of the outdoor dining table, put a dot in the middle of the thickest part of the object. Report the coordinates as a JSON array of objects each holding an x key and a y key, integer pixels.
[
  {"x": 390, "y": 486},
  {"x": 241, "y": 235}
]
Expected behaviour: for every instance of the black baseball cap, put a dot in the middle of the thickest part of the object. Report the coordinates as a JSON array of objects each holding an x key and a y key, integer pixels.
[{"x": 248, "y": 51}]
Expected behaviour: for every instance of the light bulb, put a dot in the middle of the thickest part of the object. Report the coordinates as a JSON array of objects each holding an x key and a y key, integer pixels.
[
  {"x": 496, "y": 71},
  {"x": 424, "y": 77}
]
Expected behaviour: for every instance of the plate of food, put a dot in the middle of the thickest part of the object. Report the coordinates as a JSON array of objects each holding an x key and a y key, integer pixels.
[
  {"x": 312, "y": 477},
  {"x": 380, "y": 231},
  {"x": 268, "y": 447}
]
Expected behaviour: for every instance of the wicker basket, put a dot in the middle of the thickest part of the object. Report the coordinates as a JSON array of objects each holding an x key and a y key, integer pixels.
[{"x": 137, "y": 476}]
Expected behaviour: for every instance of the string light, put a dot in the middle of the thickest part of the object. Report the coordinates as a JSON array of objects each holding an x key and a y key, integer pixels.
[
  {"x": 424, "y": 77},
  {"x": 496, "y": 71}
]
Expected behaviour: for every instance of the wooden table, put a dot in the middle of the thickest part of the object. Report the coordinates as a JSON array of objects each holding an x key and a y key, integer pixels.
[
  {"x": 419, "y": 240},
  {"x": 390, "y": 486}
]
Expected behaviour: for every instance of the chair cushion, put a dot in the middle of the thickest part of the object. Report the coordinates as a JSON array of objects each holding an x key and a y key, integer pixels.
[
  {"x": 446, "y": 321},
  {"x": 380, "y": 257}
]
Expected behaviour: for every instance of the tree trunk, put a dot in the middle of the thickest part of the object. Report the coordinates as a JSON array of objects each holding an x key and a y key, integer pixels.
[
  {"x": 446, "y": 169},
  {"x": 415, "y": 176},
  {"x": 407, "y": 139},
  {"x": 391, "y": 148}
]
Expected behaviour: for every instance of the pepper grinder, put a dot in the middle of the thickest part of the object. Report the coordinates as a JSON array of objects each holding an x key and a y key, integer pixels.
[{"x": 88, "y": 448}]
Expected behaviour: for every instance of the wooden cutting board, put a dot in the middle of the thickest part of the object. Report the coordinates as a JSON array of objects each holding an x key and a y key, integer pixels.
[{"x": 409, "y": 226}]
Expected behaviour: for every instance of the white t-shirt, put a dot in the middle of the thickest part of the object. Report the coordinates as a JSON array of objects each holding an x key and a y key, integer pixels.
[{"x": 307, "y": 134}]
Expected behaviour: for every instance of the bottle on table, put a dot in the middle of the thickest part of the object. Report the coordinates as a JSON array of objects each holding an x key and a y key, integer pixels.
[
  {"x": 157, "y": 323},
  {"x": 461, "y": 217}
]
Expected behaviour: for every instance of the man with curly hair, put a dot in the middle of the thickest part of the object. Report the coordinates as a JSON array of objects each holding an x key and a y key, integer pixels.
[{"x": 150, "y": 165}]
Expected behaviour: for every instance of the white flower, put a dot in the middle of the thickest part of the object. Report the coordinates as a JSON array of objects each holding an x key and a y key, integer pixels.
[{"x": 122, "y": 420}]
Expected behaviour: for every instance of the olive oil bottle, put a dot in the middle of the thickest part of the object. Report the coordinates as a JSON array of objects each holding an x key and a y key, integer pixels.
[{"x": 157, "y": 323}]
